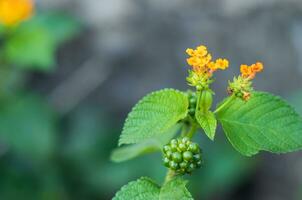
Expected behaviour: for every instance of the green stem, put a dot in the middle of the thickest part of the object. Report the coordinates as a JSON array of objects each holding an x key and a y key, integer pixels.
[
  {"x": 198, "y": 94},
  {"x": 183, "y": 130},
  {"x": 192, "y": 130},
  {"x": 226, "y": 103},
  {"x": 169, "y": 176}
]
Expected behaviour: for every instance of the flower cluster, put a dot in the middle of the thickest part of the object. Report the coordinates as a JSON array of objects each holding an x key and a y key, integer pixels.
[
  {"x": 13, "y": 12},
  {"x": 242, "y": 85},
  {"x": 249, "y": 72},
  {"x": 182, "y": 155},
  {"x": 203, "y": 66}
]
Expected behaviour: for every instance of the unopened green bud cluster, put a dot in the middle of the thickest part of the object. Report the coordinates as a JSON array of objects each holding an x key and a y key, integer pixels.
[
  {"x": 192, "y": 103},
  {"x": 240, "y": 87},
  {"x": 182, "y": 155},
  {"x": 200, "y": 82}
]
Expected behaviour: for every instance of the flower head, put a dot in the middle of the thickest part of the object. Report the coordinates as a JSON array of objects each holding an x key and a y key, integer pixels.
[
  {"x": 250, "y": 72},
  {"x": 202, "y": 65},
  {"x": 219, "y": 64},
  {"x": 13, "y": 12},
  {"x": 242, "y": 85},
  {"x": 257, "y": 67}
]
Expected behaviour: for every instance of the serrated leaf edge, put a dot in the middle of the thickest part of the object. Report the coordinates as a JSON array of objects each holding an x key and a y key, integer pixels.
[
  {"x": 120, "y": 142},
  {"x": 123, "y": 188},
  {"x": 259, "y": 148}
]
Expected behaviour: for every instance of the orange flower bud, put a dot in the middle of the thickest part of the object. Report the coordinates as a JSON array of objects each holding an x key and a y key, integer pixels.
[
  {"x": 190, "y": 52},
  {"x": 201, "y": 51},
  {"x": 246, "y": 96},
  {"x": 194, "y": 61},
  {"x": 212, "y": 66},
  {"x": 245, "y": 70},
  {"x": 258, "y": 67},
  {"x": 222, "y": 63}
]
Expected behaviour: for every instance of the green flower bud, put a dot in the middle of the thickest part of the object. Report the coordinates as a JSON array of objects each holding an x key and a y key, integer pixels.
[
  {"x": 197, "y": 157},
  {"x": 239, "y": 94},
  {"x": 174, "y": 141},
  {"x": 206, "y": 100},
  {"x": 182, "y": 155},
  {"x": 176, "y": 156},
  {"x": 166, "y": 161},
  {"x": 183, "y": 165},
  {"x": 173, "y": 165},
  {"x": 187, "y": 155},
  {"x": 174, "y": 147},
  {"x": 192, "y": 166},
  {"x": 166, "y": 148},
  {"x": 194, "y": 148},
  {"x": 192, "y": 95},
  {"x": 182, "y": 147},
  {"x": 192, "y": 111},
  {"x": 185, "y": 139},
  {"x": 169, "y": 154},
  {"x": 193, "y": 101}
]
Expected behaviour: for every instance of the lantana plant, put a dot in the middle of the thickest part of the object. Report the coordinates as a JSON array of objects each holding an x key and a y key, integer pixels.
[{"x": 166, "y": 120}]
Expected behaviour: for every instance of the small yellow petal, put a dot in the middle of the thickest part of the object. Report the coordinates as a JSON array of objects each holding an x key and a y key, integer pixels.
[
  {"x": 201, "y": 51},
  {"x": 245, "y": 70},
  {"x": 194, "y": 61},
  {"x": 258, "y": 67},
  {"x": 212, "y": 66},
  {"x": 190, "y": 52},
  {"x": 222, "y": 63}
]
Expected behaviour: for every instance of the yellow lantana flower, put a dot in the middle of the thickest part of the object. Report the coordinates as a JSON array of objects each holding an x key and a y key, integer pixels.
[
  {"x": 222, "y": 63},
  {"x": 219, "y": 64},
  {"x": 202, "y": 67},
  {"x": 250, "y": 72},
  {"x": 201, "y": 61},
  {"x": 258, "y": 67},
  {"x": 13, "y": 12},
  {"x": 245, "y": 70}
]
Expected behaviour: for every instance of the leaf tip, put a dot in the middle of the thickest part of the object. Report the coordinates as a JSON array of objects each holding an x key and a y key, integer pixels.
[
  {"x": 113, "y": 157},
  {"x": 212, "y": 138}
]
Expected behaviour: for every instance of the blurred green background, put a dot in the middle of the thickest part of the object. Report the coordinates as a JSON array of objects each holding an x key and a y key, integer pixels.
[{"x": 70, "y": 74}]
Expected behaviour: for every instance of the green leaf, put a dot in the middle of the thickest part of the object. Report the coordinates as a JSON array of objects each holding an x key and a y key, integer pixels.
[
  {"x": 27, "y": 127},
  {"x": 265, "y": 122},
  {"x": 148, "y": 146},
  {"x": 131, "y": 151},
  {"x": 142, "y": 189},
  {"x": 175, "y": 190},
  {"x": 146, "y": 189},
  {"x": 208, "y": 122},
  {"x": 153, "y": 115},
  {"x": 32, "y": 45},
  {"x": 61, "y": 26}
]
